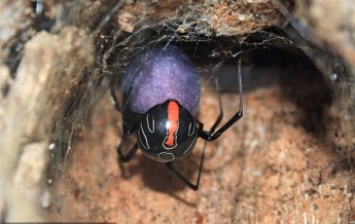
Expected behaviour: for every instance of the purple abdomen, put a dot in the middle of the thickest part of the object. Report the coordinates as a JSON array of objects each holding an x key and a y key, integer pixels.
[{"x": 159, "y": 74}]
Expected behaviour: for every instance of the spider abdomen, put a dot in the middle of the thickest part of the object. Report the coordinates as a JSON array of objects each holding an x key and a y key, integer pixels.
[
  {"x": 167, "y": 132},
  {"x": 158, "y": 74}
]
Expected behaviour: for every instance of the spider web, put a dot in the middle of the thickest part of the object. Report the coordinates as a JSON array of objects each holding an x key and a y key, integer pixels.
[
  {"x": 314, "y": 86},
  {"x": 270, "y": 58},
  {"x": 115, "y": 48}
]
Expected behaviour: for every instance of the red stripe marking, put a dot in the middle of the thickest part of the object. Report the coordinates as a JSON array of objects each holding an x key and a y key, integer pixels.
[{"x": 173, "y": 118}]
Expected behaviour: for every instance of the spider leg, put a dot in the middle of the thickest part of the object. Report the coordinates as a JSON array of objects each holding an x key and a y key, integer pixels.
[
  {"x": 114, "y": 99},
  {"x": 213, "y": 135},
  {"x": 129, "y": 156},
  {"x": 220, "y": 116},
  {"x": 186, "y": 181},
  {"x": 127, "y": 130},
  {"x": 132, "y": 152},
  {"x": 125, "y": 158}
]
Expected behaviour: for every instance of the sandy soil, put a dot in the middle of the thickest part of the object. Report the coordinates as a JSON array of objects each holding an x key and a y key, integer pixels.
[
  {"x": 289, "y": 160},
  {"x": 268, "y": 168}
]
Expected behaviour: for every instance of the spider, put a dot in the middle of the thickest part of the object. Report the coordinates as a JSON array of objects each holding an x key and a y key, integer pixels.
[{"x": 161, "y": 92}]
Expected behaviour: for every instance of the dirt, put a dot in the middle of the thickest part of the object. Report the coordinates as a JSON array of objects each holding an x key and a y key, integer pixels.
[
  {"x": 265, "y": 169},
  {"x": 289, "y": 160}
]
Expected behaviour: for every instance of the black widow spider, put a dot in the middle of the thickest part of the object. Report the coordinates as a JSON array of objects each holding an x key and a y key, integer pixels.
[{"x": 161, "y": 91}]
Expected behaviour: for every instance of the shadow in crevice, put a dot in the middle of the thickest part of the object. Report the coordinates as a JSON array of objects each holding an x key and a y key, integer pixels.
[
  {"x": 300, "y": 82},
  {"x": 308, "y": 89}
]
